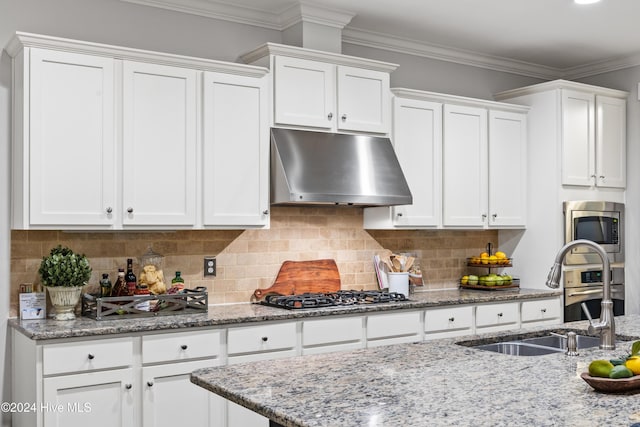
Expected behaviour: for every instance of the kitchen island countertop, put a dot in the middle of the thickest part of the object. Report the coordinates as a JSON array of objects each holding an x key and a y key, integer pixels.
[
  {"x": 431, "y": 383},
  {"x": 229, "y": 314}
]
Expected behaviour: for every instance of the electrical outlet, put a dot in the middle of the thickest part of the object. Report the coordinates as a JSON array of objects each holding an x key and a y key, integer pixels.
[{"x": 210, "y": 267}]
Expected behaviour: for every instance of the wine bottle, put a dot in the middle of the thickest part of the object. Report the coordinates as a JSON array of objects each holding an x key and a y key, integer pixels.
[{"x": 130, "y": 278}]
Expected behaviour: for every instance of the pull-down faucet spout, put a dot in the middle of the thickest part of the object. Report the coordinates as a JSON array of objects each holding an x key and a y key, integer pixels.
[{"x": 606, "y": 325}]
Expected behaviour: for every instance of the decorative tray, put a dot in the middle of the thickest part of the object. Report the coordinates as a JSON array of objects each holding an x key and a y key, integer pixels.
[
  {"x": 514, "y": 284},
  {"x": 189, "y": 301},
  {"x": 608, "y": 385}
]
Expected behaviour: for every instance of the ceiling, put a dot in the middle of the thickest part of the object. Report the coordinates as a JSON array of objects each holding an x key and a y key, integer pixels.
[{"x": 542, "y": 38}]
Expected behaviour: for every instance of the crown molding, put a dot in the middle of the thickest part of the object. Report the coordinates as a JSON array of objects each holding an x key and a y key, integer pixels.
[
  {"x": 367, "y": 38},
  {"x": 304, "y": 11},
  {"x": 219, "y": 10}
]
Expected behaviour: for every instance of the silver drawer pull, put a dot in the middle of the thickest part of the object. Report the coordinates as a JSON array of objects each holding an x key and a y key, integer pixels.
[
  {"x": 130, "y": 210},
  {"x": 150, "y": 383},
  {"x": 183, "y": 346},
  {"x": 128, "y": 386},
  {"x": 499, "y": 314},
  {"x": 329, "y": 116},
  {"x": 109, "y": 209},
  {"x": 90, "y": 356},
  {"x": 265, "y": 339},
  {"x": 544, "y": 310},
  {"x": 344, "y": 117},
  {"x": 452, "y": 319}
]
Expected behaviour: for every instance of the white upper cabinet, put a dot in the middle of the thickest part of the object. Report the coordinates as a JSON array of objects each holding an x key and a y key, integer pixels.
[
  {"x": 593, "y": 139},
  {"x": 304, "y": 93},
  {"x": 464, "y": 160},
  {"x": 507, "y": 169},
  {"x": 159, "y": 144},
  {"x": 589, "y": 125},
  {"x": 67, "y": 113},
  {"x": 236, "y": 150},
  {"x": 465, "y": 166},
  {"x": 417, "y": 140},
  {"x": 110, "y": 138},
  {"x": 327, "y": 92},
  {"x": 611, "y": 142}
]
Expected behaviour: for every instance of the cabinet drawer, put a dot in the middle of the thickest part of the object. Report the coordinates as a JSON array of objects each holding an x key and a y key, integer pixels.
[
  {"x": 448, "y": 319},
  {"x": 87, "y": 355},
  {"x": 393, "y": 325},
  {"x": 180, "y": 346},
  {"x": 265, "y": 338},
  {"x": 497, "y": 314},
  {"x": 546, "y": 309},
  {"x": 331, "y": 331}
]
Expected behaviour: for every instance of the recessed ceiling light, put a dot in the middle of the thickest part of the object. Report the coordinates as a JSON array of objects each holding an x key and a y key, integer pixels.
[{"x": 586, "y": 1}]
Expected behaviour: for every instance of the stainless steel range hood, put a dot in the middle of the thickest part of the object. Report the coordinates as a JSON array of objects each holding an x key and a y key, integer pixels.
[{"x": 337, "y": 169}]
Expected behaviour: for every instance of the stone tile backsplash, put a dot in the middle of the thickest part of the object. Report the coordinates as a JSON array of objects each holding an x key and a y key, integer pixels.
[{"x": 250, "y": 259}]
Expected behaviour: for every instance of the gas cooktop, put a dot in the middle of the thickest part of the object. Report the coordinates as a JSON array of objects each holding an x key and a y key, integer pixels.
[{"x": 331, "y": 299}]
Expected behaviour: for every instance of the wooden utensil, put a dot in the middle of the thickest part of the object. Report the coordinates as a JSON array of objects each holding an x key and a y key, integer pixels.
[{"x": 298, "y": 277}]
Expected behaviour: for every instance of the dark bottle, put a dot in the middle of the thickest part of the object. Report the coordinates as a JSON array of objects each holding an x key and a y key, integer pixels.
[
  {"x": 130, "y": 278},
  {"x": 120, "y": 288},
  {"x": 178, "y": 281},
  {"x": 105, "y": 286}
]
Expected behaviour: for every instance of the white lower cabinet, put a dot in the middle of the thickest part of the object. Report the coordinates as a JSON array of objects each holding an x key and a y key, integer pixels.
[
  {"x": 326, "y": 335},
  {"x": 448, "y": 321},
  {"x": 541, "y": 312},
  {"x": 393, "y": 328},
  {"x": 254, "y": 343},
  {"x": 497, "y": 317},
  {"x": 102, "y": 398},
  {"x": 125, "y": 381},
  {"x": 169, "y": 397}
]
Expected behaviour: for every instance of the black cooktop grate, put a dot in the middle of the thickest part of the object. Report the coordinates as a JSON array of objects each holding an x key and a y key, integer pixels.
[{"x": 339, "y": 298}]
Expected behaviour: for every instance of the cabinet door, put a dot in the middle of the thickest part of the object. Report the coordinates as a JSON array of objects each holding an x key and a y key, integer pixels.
[
  {"x": 393, "y": 328},
  {"x": 169, "y": 396},
  {"x": 304, "y": 93},
  {"x": 364, "y": 100},
  {"x": 326, "y": 335},
  {"x": 464, "y": 166},
  {"x": 100, "y": 399},
  {"x": 540, "y": 312},
  {"x": 448, "y": 321},
  {"x": 236, "y": 150},
  {"x": 507, "y": 169},
  {"x": 497, "y": 317},
  {"x": 417, "y": 140},
  {"x": 578, "y": 138},
  {"x": 159, "y": 145},
  {"x": 71, "y": 137},
  {"x": 611, "y": 142}
]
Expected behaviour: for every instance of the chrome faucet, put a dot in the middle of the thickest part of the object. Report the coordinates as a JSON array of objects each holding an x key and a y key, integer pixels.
[{"x": 606, "y": 325}]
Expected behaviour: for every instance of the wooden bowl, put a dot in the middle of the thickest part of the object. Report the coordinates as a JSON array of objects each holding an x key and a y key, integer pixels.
[{"x": 609, "y": 385}]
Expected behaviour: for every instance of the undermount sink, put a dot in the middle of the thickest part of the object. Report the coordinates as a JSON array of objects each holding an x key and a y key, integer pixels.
[{"x": 522, "y": 345}]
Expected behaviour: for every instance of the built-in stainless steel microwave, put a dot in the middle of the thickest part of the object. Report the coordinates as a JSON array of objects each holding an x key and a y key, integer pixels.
[{"x": 598, "y": 221}]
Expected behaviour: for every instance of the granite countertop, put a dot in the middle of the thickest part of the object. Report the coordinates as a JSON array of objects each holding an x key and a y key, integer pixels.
[
  {"x": 431, "y": 383},
  {"x": 228, "y": 314}
]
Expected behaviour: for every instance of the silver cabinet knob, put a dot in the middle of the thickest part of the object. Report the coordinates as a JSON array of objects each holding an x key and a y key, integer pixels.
[
  {"x": 128, "y": 386},
  {"x": 344, "y": 117},
  {"x": 544, "y": 310},
  {"x": 265, "y": 212},
  {"x": 499, "y": 314},
  {"x": 130, "y": 210},
  {"x": 183, "y": 346},
  {"x": 150, "y": 383},
  {"x": 494, "y": 216},
  {"x": 329, "y": 116},
  {"x": 452, "y": 319},
  {"x": 484, "y": 217},
  {"x": 265, "y": 339},
  {"x": 90, "y": 356},
  {"x": 109, "y": 210},
  {"x": 399, "y": 214}
]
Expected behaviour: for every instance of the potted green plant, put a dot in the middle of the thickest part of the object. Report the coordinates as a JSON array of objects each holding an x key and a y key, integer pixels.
[{"x": 64, "y": 273}]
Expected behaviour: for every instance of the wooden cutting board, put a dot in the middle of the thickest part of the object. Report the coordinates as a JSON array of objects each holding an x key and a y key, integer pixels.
[{"x": 299, "y": 277}]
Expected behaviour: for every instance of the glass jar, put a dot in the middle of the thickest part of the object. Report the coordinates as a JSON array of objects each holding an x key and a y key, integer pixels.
[{"x": 152, "y": 275}]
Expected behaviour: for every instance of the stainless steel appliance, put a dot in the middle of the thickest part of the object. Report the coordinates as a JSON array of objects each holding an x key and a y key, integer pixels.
[
  {"x": 584, "y": 285},
  {"x": 320, "y": 168},
  {"x": 598, "y": 221},
  {"x": 601, "y": 222}
]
